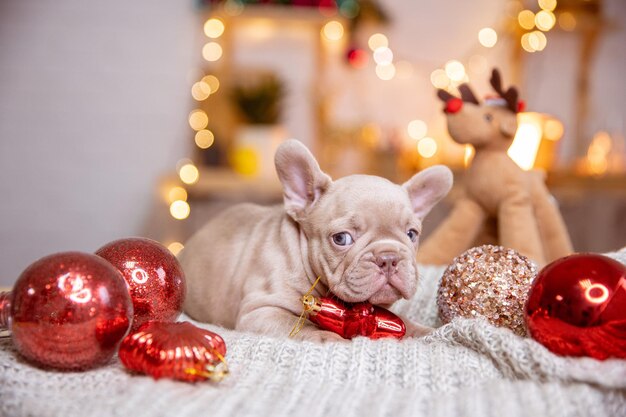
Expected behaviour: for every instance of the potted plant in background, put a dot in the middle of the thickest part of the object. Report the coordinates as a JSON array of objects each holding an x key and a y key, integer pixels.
[{"x": 258, "y": 98}]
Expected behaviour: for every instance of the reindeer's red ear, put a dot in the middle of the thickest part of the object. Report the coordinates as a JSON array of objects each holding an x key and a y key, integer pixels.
[
  {"x": 521, "y": 106},
  {"x": 453, "y": 105}
]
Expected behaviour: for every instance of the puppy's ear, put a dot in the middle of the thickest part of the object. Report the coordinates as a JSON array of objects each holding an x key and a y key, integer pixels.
[
  {"x": 426, "y": 188},
  {"x": 303, "y": 180}
]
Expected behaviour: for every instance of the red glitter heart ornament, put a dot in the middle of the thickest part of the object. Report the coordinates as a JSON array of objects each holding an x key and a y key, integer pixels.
[
  {"x": 179, "y": 351},
  {"x": 577, "y": 307}
]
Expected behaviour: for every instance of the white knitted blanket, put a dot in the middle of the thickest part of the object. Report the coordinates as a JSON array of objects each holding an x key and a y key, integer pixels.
[{"x": 466, "y": 368}]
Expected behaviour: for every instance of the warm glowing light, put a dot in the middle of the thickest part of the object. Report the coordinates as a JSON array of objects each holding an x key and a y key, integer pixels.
[
  {"x": 245, "y": 161},
  {"x": 214, "y": 28},
  {"x": 487, "y": 37},
  {"x": 527, "y": 139},
  {"x": 176, "y": 193},
  {"x": 547, "y": 4},
  {"x": 74, "y": 288},
  {"x": 200, "y": 91},
  {"x": 553, "y": 129},
  {"x": 383, "y": 56},
  {"x": 189, "y": 174},
  {"x": 468, "y": 155},
  {"x": 537, "y": 40},
  {"x": 175, "y": 247},
  {"x": 417, "y": 129},
  {"x": 545, "y": 20},
  {"x": 455, "y": 70},
  {"x": 439, "y": 79},
  {"x": 333, "y": 30},
  {"x": 598, "y": 152},
  {"x": 212, "y": 51},
  {"x": 212, "y": 82},
  {"x": 180, "y": 209},
  {"x": 198, "y": 119},
  {"x": 526, "y": 19},
  {"x": 567, "y": 21},
  {"x": 478, "y": 64},
  {"x": 377, "y": 40},
  {"x": 386, "y": 72},
  {"x": 204, "y": 139},
  {"x": 525, "y": 41},
  {"x": 427, "y": 147}
]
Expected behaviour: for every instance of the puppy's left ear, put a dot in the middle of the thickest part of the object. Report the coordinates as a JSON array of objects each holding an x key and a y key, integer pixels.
[
  {"x": 303, "y": 180},
  {"x": 427, "y": 187}
]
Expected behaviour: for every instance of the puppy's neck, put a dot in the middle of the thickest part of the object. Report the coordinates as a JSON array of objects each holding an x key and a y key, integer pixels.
[{"x": 321, "y": 288}]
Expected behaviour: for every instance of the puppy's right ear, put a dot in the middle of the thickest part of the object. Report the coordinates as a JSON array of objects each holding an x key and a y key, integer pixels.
[{"x": 302, "y": 179}]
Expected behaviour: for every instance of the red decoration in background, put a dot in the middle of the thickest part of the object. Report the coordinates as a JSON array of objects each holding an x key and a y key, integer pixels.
[
  {"x": 521, "y": 106},
  {"x": 175, "y": 350},
  {"x": 453, "y": 105},
  {"x": 352, "y": 320},
  {"x": 153, "y": 274},
  {"x": 68, "y": 311},
  {"x": 357, "y": 57},
  {"x": 577, "y": 307}
]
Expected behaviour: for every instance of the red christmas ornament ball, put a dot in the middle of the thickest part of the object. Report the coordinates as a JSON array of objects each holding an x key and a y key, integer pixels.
[
  {"x": 577, "y": 307},
  {"x": 175, "y": 350},
  {"x": 69, "y": 311},
  {"x": 154, "y": 276}
]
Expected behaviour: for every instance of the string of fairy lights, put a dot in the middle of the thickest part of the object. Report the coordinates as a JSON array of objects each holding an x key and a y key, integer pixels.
[{"x": 534, "y": 26}]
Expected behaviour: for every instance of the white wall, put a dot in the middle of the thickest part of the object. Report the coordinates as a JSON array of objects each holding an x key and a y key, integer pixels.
[{"x": 94, "y": 98}]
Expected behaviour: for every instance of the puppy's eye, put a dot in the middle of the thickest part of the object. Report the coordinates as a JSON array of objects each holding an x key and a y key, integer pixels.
[
  {"x": 343, "y": 239},
  {"x": 488, "y": 117},
  {"x": 412, "y": 234}
]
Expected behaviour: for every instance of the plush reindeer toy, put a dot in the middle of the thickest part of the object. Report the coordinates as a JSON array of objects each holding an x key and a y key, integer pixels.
[{"x": 495, "y": 190}]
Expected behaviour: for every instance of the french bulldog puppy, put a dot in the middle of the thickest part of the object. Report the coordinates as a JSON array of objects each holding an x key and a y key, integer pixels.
[{"x": 248, "y": 267}]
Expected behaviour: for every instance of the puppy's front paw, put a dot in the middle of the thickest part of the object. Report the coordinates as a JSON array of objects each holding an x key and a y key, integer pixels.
[{"x": 417, "y": 330}]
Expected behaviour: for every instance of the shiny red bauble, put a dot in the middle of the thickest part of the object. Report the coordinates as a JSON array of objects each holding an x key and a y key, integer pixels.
[
  {"x": 175, "y": 350},
  {"x": 154, "y": 276},
  {"x": 69, "y": 311},
  {"x": 577, "y": 307},
  {"x": 352, "y": 320}
]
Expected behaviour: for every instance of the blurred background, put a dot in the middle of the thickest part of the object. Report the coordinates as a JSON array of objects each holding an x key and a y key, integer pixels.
[{"x": 123, "y": 118}]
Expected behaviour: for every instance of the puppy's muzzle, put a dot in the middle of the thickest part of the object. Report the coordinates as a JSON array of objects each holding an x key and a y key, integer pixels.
[{"x": 388, "y": 263}]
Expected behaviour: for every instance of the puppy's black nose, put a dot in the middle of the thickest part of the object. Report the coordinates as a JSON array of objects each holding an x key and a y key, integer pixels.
[{"x": 387, "y": 262}]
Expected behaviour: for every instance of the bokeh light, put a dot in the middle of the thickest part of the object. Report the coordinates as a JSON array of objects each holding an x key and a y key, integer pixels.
[
  {"x": 427, "y": 147},
  {"x": 383, "y": 55},
  {"x": 176, "y": 193},
  {"x": 200, "y": 91},
  {"x": 204, "y": 139},
  {"x": 386, "y": 72},
  {"x": 189, "y": 174},
  {"x": 455, "y": 70},
  {"x": 175, "y": 247},
  {"x": 377, "y": 40},
  {"x": 439, "y": 79},
  {"x": 180, "y": 209},
  {"x": 333, "y": 30},
  {"x": 212, "y": 51},
  {"x": 214, "y": 28},
  {"x": 526, "y": 19},
  {"x": 417, "y": 129},
  {"x": 487, "y": 37},
  {"x": 545, "y": 20},
  {"x": 198, "y": 119}
]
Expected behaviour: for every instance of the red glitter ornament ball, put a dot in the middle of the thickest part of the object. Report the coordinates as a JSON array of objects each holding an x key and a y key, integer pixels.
[
  {"x": 175, "y": 350},
  {"x": 154, "y": 276},
  {"x": 69, "y": 311},
  {"x": 577, "y": 307}
]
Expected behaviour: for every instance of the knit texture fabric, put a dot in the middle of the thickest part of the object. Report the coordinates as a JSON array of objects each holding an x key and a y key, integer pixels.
[{"x": 465, "y": 368}]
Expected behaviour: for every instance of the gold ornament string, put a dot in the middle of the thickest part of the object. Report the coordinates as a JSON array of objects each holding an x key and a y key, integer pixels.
[
  {"x": 302, "y": 319},
  {"x": 213, "y": 372}
]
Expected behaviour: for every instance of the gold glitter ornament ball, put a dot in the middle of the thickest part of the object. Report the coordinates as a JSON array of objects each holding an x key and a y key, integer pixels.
[{"x": 488, "y": 281}]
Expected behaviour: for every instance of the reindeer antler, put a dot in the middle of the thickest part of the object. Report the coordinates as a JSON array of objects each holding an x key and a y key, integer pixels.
[
  {"x": 444, "y": 95},
  {"x": 509, "y": 95},
  {"x": 467, "y": 94}
]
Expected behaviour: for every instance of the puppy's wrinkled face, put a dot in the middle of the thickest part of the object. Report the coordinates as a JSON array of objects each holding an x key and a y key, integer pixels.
[
  {"x": 362, "y": 231},
  {"x": 363, "y": 235}
]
